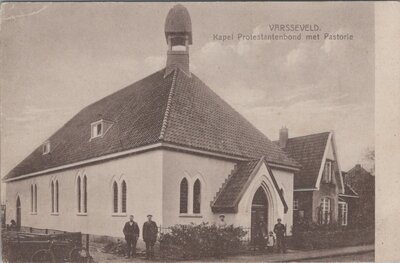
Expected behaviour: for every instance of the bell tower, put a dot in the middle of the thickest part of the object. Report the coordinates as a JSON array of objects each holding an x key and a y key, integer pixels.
[{"x": 178, "y": 33}]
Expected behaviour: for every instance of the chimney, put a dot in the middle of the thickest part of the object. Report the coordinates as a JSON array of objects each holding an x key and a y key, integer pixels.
[
  {"x": 178, "y": 33},
  {"x": 283, "y": 137}
]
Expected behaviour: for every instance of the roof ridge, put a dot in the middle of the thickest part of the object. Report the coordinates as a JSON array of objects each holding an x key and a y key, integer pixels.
[
  {"x": 309, "y": 135},
  {"x": 167, "y": 109}
]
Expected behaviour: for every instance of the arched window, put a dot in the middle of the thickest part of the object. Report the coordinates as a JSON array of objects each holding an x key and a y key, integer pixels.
[
  {"x": 57, "y": 196},
  {"x": 32, "y": 206},
  {"x": 78, "y": 191},
  {"x": 183, "y": 208},
  {"x": 115, "y": 197},
  {"x": 52, "y": 196},
  {"x": 123, "y": 203},
  {"x": 196, "y": 197},
  {"x": 35, "y": 210},
  {"x": 85, "y": 194}
]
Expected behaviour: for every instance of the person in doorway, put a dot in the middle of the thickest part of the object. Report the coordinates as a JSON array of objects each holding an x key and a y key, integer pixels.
[
  {"x": 260, "y": 236},
  {"x": 150, "y": 231},
  {"x": 13, "y": 225},
  {"x": 221, "y": 222},
  {"x": 131, "y": 231},
  {"x": 270, "y": 242},
  {"x": 280, "y": 232}
]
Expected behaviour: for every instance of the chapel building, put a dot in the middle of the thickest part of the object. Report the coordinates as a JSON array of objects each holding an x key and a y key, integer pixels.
[{"x": 167, "y": 145}]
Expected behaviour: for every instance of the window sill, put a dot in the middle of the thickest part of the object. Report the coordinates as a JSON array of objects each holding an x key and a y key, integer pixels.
[
  {"x": 55, "y": 214},
  {"x": 191, "y": 215},
  {"x": 33, "y": 213},
  {"x": 81, "y": 214},
  {"x": 119, "y": 215}
]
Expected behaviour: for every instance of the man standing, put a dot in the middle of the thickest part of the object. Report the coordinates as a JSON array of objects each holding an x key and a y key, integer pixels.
[
  {"x": 150, "y": 231},
  {"x": 131, "y": 232},
  {"x": 280, "y": 231}
]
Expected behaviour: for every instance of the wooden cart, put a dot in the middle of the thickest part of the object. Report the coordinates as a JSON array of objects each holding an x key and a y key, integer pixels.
[{"x": 35, "y": 247}]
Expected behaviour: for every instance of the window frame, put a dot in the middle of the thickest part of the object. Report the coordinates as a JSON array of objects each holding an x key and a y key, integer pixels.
[
  {"x": 33, "y": 199},
  {"x": 296, "y": 204},
  {"x": 326, "y": 211},
  {"x": 124, "y": 197},
  {"x": 79, "y": 194},
  {"x": 57, "y": 197},
  {"x": 343, "y": 213},
  {"x": 115, "y": 196},
  {"x": 197, "y": 197},
  {"x": 184, "y": 197},
  {"x": 84, "y": 186},
  {"x": 52, "y": 197},
  {"x": 94, "y": 133},
  {"x": 46, "y": 147},
  {"x": 328, "y": 170}
]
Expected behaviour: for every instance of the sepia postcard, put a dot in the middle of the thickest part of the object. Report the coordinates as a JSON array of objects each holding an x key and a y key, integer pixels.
[{"x": 199, "y": 131}]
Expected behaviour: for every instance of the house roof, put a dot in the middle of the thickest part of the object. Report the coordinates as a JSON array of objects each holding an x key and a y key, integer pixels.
[
  {"x": 348, "y": 191},
  {"x": 228, "y": 197},
  {"x": 178, "y": 109},
  {"x": 360, "y": 179},
  {"x": 309, "y": 152}
]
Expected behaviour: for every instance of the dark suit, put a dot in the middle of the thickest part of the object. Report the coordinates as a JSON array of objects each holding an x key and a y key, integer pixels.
[
  {"x": 131, "y": 232},
  {"x": 280, "y": 231},
  {"x": 150, "y": 231}
]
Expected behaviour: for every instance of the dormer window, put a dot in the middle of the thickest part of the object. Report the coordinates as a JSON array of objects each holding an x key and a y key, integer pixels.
[
  {"x": 99, "y": 128},
  {"x": 46, "y": 147}
]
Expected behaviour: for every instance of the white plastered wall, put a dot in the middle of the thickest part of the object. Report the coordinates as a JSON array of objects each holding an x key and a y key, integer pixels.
[
  {"x": 211, "y": 172},
  {"x": 142, "y": 173}
]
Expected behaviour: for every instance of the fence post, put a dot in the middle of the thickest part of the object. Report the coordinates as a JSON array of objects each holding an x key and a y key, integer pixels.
[
  {"x": 30, "y": 229},
  {"x": 47, "y": 231},
  {"x": 87, "y": 243}
]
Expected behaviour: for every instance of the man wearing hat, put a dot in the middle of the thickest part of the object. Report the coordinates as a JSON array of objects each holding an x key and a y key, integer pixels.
[
  {"x": 150, "y": 231},
  {"x": 131, "y": 232},
  {"x": 280, "y": 231}
]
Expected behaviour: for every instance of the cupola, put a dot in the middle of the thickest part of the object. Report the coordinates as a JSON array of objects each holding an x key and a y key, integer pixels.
[{"x": 178, "y": 33}]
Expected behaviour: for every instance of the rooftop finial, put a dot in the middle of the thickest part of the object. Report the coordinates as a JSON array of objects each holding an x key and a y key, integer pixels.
[{"x": 178, "y": 33}]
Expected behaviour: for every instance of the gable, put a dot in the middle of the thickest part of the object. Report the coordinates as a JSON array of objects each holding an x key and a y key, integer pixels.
[
  {"x": 230, "y": 195},
  {"x": 309, "y": 151},
  {"x": 331, "y": 154}
]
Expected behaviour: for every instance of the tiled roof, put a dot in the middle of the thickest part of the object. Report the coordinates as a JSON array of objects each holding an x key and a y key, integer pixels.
[
  {"x": 178, "y": 109},
  {"x": 199, "y": 118},
  {"x": 229, "y": 195},
  {"x": 227, "y": 198},
  {"x": 308, "y": 151},
  {"x": 136, "y": 112}
]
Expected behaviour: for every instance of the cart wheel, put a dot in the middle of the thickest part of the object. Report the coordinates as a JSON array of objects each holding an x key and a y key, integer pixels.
[
  {"x": 79, "y": 255},
  {"x": 43, "y": 255}
]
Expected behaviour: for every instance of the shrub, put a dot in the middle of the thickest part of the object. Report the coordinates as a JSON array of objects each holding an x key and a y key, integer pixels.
[
  {"x": 309, "y": 235},
  {"x": 200, "y": 241}
]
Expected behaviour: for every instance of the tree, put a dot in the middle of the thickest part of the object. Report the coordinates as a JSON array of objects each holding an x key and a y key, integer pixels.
[{"x": 369, "y": 158}]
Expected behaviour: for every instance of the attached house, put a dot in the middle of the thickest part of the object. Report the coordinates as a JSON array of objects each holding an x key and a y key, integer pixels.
[
  {"x": 319, "y": 191},
  {"x": 166, "y": 145},
  {"x": 361, "y": 182}
]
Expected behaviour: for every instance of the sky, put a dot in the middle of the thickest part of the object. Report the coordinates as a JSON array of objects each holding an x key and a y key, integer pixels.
[{"x": 57, "y": 58}]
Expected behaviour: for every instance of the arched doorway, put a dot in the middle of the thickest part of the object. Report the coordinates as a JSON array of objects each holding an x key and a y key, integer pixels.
[
  {"x": 259, "y": 213},
  {"x": 18, "y": 215}
]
